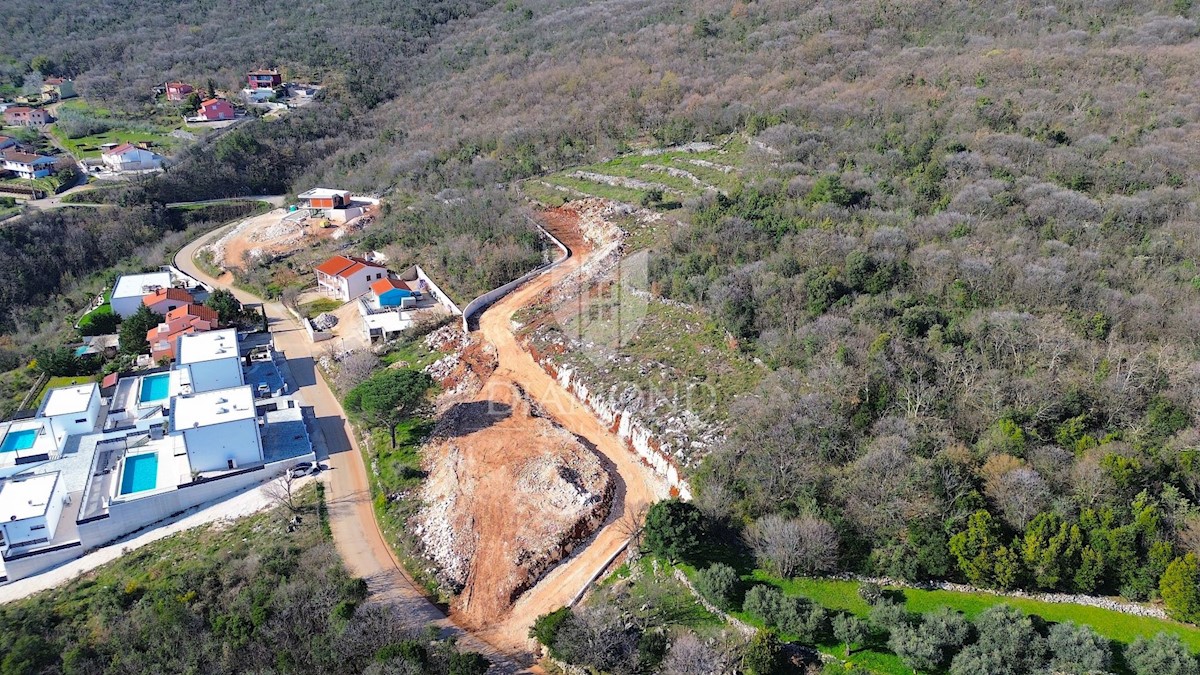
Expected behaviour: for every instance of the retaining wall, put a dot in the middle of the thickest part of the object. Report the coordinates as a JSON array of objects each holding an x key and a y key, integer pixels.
[{"x": 479, "y": 304}]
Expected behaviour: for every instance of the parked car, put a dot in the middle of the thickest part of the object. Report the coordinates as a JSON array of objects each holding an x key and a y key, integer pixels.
[{"x": 302, "y": 469}]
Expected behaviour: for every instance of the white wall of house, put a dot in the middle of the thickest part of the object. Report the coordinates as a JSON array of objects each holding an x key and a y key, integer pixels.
[
  {"x": 211, "y": 447},
  {"x": 26, "y": 530},
  {"x": 136, "y": 159},
  {"x": 215, "y": 374},
  {"x": 72, "y": 424}
]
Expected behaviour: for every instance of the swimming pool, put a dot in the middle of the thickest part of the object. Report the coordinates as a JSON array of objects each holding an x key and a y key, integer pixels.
[
  {"x": 19, "y": 440},
  {"x": 81, "y": 350},
  {"x": 155, "y": 387},
  {"x": 141, "y": 473}
]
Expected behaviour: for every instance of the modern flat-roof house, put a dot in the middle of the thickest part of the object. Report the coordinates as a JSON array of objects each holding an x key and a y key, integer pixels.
[
  {"x": 26, "y": 164},
  {"x": 184, "y": 320},
  {"x": 59, "y": 88},
  {"x": 24, "y": 116},
  {"x": 179, "y": 91},
  {"x": 347, "y": 277},
  {"x": 219, "y": 427},
  {"x": 217, "y": 109},
  {"x": 30, "y": 508},
  {"x": 129, "y": 157},
  {"x": 208, "y": 361},
  {"x": 132, "y": 290},
  {"x": 162, "y": 448},
  {"x": 71, "y": 410},
  {"x": 338, "y": 205},
  {"x": 263, "y": 79}
]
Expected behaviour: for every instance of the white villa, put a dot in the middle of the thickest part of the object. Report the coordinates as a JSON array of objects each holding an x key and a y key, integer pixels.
[{"x": 88, "y": 470}]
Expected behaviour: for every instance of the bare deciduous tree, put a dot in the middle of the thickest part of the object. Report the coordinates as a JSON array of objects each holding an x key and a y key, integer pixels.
[
  {"x": 283, "y": 491},
  {"x": 805, "y": 545},
  {"x": 355, "y": 367},
  {"x": 689, "y": 655}
]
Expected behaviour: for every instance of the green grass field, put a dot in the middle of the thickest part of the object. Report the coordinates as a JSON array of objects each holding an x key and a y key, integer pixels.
[
  {"x": 154, "y": 131},
  {"x": 1116, "y": 626}
]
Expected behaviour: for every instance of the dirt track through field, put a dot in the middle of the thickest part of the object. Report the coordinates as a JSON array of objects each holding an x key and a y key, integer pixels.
[{"x": 636, "y": 487}]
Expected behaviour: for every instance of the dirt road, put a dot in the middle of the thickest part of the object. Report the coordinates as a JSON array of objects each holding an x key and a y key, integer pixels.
[
  {"x": 352, "y": 518},
  {"x": 636, "y": 486}
]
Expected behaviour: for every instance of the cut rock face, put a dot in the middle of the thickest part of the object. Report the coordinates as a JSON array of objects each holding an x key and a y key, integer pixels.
[{"x": 509, "y": 494}]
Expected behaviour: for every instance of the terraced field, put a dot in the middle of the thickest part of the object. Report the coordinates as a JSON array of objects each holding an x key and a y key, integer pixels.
[{"x": 678, "y": 173}]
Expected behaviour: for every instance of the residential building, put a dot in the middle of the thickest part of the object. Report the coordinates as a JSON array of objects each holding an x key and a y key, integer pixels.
[
  {"x": 263, "y": 79},
  {"x": 164, "y": 300},
  {"x": 30, "y": 509},
  {"x": 325, "y": 198},
  {"x": 207, "y": 361},
  {"x": 131, "y": 290},
  {"x": 129, "y": 157},
  {"x": 219, "y": 428},
  {"x": 216, "y": 109},
  {"x": 24, "y": 116},
  {"x": 392, "y": 292},
  {"x": 27, "y": 164},
  {"x": 59, "y": 88},
  {"x": 71, "y": 410},
  {"x": 179, "y": 91},
  {"x": 338, "y": 205},
  {"x": 184, "y": 320},
  {"x": 347, "y": 277},
  {"x": 7, "y": 142}
]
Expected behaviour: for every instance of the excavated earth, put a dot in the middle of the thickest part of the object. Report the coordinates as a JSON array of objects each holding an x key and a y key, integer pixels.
[{"x": 509, "y": 494}]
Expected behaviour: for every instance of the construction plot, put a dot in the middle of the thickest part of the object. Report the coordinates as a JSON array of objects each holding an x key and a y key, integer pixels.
[
  {"x": 278, "y": 233},
  {"x": 509, "y": 494}
]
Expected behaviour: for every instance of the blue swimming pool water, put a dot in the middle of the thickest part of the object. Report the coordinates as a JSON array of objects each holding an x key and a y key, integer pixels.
[
  {"x": 81, "y": 350},
  {"x": 155, "y": 387},
  {"x": 141, "y": 473},
  {"x": 19, "y": 440}
]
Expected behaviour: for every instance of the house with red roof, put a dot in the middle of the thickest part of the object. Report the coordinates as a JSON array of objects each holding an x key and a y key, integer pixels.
[
  {"x": 179, "y": 91},
  {"x": 263, "y": 79},
  {"x": 216, "y": 109},
  {"x": 24, "y": 116},
  {"x": 129, "y": 157},
  {"x": 183, "y": 320},
  {"x": 165, "y": 300},
  {"x": 347, "y": 277},
  {"x": 392, "y": 292},
  {"x": 59, "y": 88},
  {"x": 26, "y": 164}
]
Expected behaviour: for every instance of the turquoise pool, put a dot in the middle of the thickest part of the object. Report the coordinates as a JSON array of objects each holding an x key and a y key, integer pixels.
[
  {"x": 19, "y": 440},
  {"x": 155, "y": 387},
  {"x": 81, "y": 350},
  {"x": 141, "y": 473}
]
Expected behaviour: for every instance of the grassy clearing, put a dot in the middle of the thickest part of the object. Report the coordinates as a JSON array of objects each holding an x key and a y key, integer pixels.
[
  {"x": 535, "y": 189},
  {"x": 319, "y": 306},
  {"x": 121, "y": 128},
  {"x": 1125, "y": 628},
  {"x": 619, "y": 194}
]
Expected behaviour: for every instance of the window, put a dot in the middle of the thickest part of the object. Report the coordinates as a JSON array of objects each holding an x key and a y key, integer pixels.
[
  {"x": 38, "y": 527},
  {"x": 81, "y": 420}
]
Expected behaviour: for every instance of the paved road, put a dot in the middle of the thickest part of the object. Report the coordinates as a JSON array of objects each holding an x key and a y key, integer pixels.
[
  {"x": 352, "y": 517},
  {"x": 56, "y": 201}
]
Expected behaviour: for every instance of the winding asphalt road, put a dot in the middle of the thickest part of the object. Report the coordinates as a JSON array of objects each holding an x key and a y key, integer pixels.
[{"x": 348, "y": 494}]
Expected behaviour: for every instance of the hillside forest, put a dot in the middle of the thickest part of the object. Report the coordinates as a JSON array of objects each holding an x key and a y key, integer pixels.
[{"x": 963, "y": 249}]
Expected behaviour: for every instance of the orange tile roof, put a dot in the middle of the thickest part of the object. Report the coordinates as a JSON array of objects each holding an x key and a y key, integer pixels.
[
  {"x": 176, "y": 294},
  {"x": 120, "y": 149},
  {"x": 344, "y": 265},
  {"x": 384, "y": 285},
  {"x": 192, "y": 309}
]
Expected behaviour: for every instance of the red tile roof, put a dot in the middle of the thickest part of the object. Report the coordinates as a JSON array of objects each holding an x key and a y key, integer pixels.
[
  {"x": 176, "y": 294},
  {"x": 120, "y": 149},
  {"x": 384, "y": 285},
  {"x": 192, "y": 309},
  {"x": 14, "y": 155},
  {"x": 344, "y": 266},
  {"x": 210, "y": 102},
  {"x": 18, "y": 109}
]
